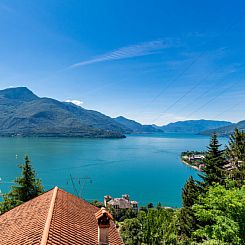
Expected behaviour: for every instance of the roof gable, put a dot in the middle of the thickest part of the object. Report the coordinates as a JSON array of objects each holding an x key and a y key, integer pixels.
[{"x": 56, "y": 217}]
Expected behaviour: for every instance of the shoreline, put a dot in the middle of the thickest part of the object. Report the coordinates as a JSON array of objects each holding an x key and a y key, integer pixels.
[{"x": 189, "y": 165}]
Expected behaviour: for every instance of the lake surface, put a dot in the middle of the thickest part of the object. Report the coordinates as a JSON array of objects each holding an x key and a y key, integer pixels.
[{"x": 147, "y": 167}]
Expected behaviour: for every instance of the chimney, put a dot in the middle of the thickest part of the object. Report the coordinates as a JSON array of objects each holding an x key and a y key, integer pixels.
[
  {"x": 103, "y": 218},
  {"x": 107, "y": 199}
]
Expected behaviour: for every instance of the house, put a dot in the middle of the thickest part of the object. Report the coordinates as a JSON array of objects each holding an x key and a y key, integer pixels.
[
  {"x": 196, "y": 157},
  {"x": 121, "y": 203},
  {"x": 60, "y": 218}
]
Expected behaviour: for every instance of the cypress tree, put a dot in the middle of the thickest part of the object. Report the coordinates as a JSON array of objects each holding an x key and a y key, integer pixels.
[{"x": 213, "y": 170}]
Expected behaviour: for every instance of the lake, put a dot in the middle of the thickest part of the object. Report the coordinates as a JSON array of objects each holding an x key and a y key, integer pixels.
[{"x": 147, "y": 167}]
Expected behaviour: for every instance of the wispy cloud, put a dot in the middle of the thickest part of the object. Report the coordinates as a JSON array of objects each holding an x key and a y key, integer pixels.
[
  {"x": 75, "y": 102},
  {"x": 141, "y": 49}
]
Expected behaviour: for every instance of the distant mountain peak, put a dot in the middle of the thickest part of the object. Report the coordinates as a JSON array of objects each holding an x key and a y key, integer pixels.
[{"x": 18, "y": 93}]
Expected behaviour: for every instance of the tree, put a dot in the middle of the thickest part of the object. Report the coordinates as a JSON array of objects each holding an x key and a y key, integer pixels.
[
  {"x": 159, "y": 205},
  {"x": 150, "y": 205},
  {"x": 186, "y": 224},
  {"x": 97, "y": 204},
  {"x": 27, "y": 188},
  {"x": 235, "y": 152},
  {"x": 131, "y": 232},
  {"x": 190, "y": 192},
  {"x": 186, "y": 218},
  {"x": 213, "y": 170},
  {"x": 221, "y": 213}
]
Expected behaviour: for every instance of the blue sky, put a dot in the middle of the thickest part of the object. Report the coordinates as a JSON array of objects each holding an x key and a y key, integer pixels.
[{"x": 152, "y": 61}]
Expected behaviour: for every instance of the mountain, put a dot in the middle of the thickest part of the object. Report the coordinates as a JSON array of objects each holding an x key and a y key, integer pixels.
[
  {"x": 227, "y": 130},
  {"x": 21, "y": 93},
  {"x": 194, "y": 126},
  {"x": 135, "y": 126},
  {"x": 24, "y": 113}
]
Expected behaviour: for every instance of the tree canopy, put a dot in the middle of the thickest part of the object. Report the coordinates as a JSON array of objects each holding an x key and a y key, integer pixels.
[
  {"x": 213, "y": 169},
  {"x": 26, "y": 187}
]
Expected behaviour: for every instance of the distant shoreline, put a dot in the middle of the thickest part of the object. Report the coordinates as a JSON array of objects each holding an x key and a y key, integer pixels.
[{"x": 189, "y": 165}]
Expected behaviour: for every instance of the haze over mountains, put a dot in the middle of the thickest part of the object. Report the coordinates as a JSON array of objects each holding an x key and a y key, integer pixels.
[{"x": 22, "y": 113}]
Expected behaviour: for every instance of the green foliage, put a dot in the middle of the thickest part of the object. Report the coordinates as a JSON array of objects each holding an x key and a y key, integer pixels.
[
  {"x": 222, "y": 215},
  {"x": 97, "y": 204},
  {"x": 235, "y": 152},
  {"x": 144, "y": 209},
  {"x": 131, "y": 232},
  {"x": 26, "y": 188},
  {"x": 150, "y": 205},
  {"x": 214, "y": 162},
  {"x": 187, "y": 224},
  {"x": 190, "y": 192},
  {"x": 122, "y": 214},
  {"x": 191, "y": 153},
  {"x": 153, "y": 227}
]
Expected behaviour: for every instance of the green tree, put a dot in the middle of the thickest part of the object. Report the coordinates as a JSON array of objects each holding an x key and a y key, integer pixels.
[
  {"x": 190, "y": 192},
  {"x": 235, "y": 152},
  {"x": 150, "y": 205},
  {"x": 213, "y": 170},
  {"x": 221, "y": 215},
  {"x": 97, "y": 204},
  {"x": 131, "y": 232},
  {"x": 26, "y": 188},
  {"x": 159, "y": 205},
  {"x": 186, "y": 218}
]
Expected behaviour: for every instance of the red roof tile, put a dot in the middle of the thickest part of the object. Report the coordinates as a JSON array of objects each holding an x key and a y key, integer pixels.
[{"x": 56, "y": 217}]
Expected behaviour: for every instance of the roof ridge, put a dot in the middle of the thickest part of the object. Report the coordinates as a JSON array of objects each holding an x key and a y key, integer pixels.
[{"x": 49, "y": 218}]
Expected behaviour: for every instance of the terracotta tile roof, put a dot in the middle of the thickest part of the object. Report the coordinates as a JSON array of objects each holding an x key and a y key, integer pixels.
[{"x": 57, "y": 218}]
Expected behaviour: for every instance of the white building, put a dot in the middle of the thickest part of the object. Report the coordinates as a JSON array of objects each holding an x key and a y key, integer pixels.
[{"x": 121, "y": 203}]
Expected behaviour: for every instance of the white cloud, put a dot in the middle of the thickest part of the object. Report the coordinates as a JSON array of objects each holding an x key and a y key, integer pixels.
[
  {"x": 141, "y": 49},
  {"x": 75, "y": 102}
]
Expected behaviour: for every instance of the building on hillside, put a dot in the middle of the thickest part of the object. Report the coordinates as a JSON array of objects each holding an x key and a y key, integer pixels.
[
  {"x": 121, "y": 203},
  {"x": 60, "y": 218},
  {"x": 196, "y": 157}
]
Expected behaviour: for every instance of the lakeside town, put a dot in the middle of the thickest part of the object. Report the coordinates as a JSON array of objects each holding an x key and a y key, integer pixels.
[{"x": 196, "y": 160}]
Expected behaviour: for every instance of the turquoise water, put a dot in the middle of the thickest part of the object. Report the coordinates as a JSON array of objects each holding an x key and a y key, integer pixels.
[{"x": 147, "y": 167}]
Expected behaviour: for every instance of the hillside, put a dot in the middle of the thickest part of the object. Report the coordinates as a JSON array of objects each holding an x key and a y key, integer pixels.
[
  {"x": 194, "y": 126},
  {"x": 24, "y": 113},
  {"x": 135, "y": 126},
  {"x": 225, "y": 131}
]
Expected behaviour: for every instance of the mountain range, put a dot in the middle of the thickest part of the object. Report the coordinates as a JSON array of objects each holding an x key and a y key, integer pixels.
[
  {"x": 194, "y": 126},
  {"x": 25, "y": 114},
  {"x": 227, "y": 130},
  {"x": 22, "y": 113}
]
